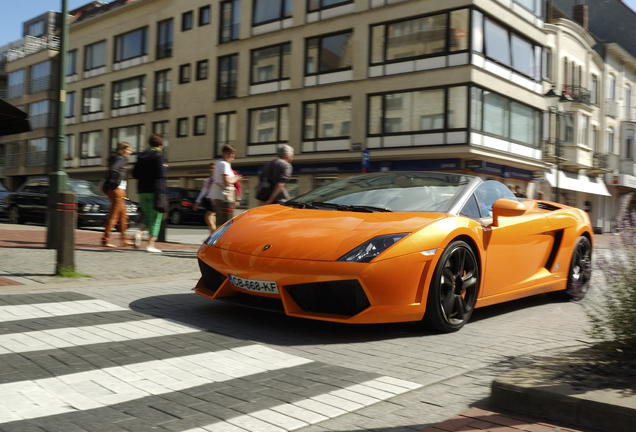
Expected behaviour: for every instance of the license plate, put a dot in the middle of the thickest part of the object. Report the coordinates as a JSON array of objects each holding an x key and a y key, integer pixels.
[{"x": 254, "y": 285}]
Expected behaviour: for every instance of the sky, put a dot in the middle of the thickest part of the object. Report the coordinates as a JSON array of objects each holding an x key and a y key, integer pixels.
[{"x": 15, "y": 12}]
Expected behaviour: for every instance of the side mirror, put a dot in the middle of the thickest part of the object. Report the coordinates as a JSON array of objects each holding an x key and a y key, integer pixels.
[{"x": 506, "y": 207}]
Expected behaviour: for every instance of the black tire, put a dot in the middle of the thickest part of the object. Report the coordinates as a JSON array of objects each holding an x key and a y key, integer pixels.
[
  {"x": 14, "y": 215},
  {"x": 579, "y": 274},
  {"x": 175, "y": 217},
  {"x": 454, "y": 288}
]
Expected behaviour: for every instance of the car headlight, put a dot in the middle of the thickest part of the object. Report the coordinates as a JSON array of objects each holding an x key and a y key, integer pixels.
[
  {"x": 86, "y": 208},
  {"x": 216, "y": 235},
  {"x": 96, "y": 208},
  {"x": 372, "y": 248}
]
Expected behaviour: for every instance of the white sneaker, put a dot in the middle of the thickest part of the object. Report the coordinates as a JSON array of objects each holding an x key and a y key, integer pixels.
[
  {"x": 137, "y": 239},
  {"x": 152, "y": 250}
]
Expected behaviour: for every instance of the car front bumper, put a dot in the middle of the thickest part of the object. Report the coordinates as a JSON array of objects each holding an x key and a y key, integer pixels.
[{"x": 393, "y": 290}]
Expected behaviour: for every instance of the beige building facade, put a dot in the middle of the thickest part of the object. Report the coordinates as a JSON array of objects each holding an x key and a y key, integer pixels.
[{"x": 453, "y": 86}]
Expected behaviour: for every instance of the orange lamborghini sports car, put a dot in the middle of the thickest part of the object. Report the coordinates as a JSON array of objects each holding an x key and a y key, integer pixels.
[{"x": 398, "y": 246}]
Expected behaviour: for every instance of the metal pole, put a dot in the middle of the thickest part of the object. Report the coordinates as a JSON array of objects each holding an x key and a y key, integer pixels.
[
  {"x": 58, "y": 179},
  {"x": 557, "y": 150}
]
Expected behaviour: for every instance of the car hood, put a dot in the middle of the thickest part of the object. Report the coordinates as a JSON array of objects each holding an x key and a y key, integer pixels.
[{"x": 321, "y": 235}]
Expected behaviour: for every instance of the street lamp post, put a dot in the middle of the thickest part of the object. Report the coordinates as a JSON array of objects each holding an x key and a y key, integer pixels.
[{"x": 558, "y": 104}]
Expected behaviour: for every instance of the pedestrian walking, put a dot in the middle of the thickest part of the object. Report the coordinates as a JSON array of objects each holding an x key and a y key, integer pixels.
[
  {"x": 223, "y": 190},
  {"x": 115, "y": 189},
  {"x": 150, "y": 172},
  {"x": 205, "y": 198},
  {"x": 275, "y": 176},
  {"x": 519, "y": 192},
  {"x": 540, "y": 195}
]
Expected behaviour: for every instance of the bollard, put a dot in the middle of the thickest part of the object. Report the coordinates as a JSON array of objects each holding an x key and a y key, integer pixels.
[{"x": 67, "y": 219}]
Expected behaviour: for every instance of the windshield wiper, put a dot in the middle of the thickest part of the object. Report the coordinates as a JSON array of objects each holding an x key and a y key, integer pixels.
[
  {"x": 296, "y": 204},
  {"x": 346, "y": 207}
]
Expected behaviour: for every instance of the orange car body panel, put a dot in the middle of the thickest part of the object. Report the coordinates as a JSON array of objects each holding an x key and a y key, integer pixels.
[{"x": 301, "y": 246}]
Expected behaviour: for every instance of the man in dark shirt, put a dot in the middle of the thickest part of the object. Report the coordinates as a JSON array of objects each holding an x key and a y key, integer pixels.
[{"x": 277, "y": 173}]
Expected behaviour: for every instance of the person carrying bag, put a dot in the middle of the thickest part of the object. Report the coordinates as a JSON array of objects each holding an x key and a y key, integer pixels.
[{"x": 223, "y": 191}]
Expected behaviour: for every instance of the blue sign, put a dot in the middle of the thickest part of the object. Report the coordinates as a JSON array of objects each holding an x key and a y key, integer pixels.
[{"x": 366, "y": 159}]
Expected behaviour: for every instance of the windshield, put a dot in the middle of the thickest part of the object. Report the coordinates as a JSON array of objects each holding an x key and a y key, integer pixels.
[
  {"x": 394, "y": 191},
  {"x": 84, "y": 188}
]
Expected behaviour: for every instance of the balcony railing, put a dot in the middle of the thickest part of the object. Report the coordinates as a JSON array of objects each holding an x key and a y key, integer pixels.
[
  {"x": 31, "y": 45},
  {"x": 600, "y": 161},
  {"x": 579, "y": 94}
]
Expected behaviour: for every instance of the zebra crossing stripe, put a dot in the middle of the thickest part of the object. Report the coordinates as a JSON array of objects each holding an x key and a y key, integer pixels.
[
  {"x": 88, "y": 335},
  {"x": 288, "y": 417},
  {"x": 109, "y": 386},
  {"x": 57, "y": 309}
]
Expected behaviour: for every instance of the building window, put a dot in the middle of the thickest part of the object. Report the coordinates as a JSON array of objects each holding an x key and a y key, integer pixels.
[
  {"x": 69, "y": 105},
  {"x": 610, "y": 139},
  {"x": 93, "y": 100},
  {"x": 41, "y": 115},
  {"x": 41, "y": 75},
  {"x": 230, "y": 20},
  {"x": 330, "y": 53},
  {"x": 164, "y": 39},
  {"x": 95, "y": 55},
  {"x": 611, "y": 87},
  {"x": 583, "y": 130},
  {"x": 202, "y": 70},
  {"x": 184, "y": 73},
  {"x": 91, "y": 144},
  {"x": 162, "y": 128},
  {"x": 199, "y": 125},
  {"x": 162, "y": 89},
  {"x": 497, "y": 43},
  {"x": 37, "y": 29},
  {"x": 628, "y": 103},
  {"x": 547, "y": 64},
  {"x": 507, "y": 48},
  {"x": 330, "y": 119},
  {"x": 134, "y": 135},
  {"x": 270, "y": 63},
  {"x": 129, "y": 92},
  {"x": 497, "y": 115},
  {"x": 226, "y": 131},
  {"x": 15, "y": 84},
  {"x": 204, "y": 15},
  {"x": 182, "y": 127},
  {"x": 269, "y": 125},
  {"x": 36, "y": 154},
  {"x": 69, "y": 147},
  {"x": 187, "y": 20},
  {"x": 594, "y": 89},
  {"x": 421, "y": 110},
  {"x": 132, "y": 44},
  {"x": 71, "y": 63},
  {"x": 316, "y": 5},
  {"x": 227, "y": 77},
  {"x": 266, "y": 11},
  {"x": 419, "y": 37}
]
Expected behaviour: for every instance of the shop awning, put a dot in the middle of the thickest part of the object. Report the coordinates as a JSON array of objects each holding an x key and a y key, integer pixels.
[
  {"x": 577, "y": 182},
  {"x": 12, "y": 120}
]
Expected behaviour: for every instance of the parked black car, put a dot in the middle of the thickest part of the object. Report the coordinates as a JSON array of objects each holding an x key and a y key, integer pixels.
[
  {"x": 29, "y": 203},
  {"x": 181, "y": 202},
  {"x": 3, "y": 205}
]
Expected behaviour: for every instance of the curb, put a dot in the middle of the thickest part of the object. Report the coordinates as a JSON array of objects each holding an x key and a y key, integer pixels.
[
  {"x": 536, "y": 390},
  {"x": 89, "y": 283}
]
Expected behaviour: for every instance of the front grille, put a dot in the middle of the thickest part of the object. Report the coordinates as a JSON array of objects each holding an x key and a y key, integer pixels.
[
  {"x": 212, "y": 279},
  {"x": 256, "y": 302},
  {"x": 336, "y": 297}
]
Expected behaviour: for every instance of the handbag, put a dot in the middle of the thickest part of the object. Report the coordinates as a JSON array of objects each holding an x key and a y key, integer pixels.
[
  {"x": 264, "y": 190},
  {"x": 161, "y": 203}
]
